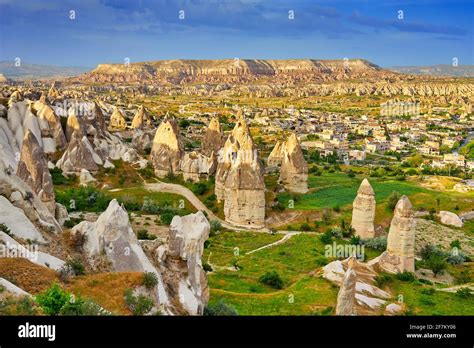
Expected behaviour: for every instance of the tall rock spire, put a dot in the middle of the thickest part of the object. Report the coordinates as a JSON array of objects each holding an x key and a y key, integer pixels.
[{"x": 363, "y": 211}]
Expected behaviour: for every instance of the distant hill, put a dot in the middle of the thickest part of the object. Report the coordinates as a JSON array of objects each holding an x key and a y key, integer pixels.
[
  {"x": 35, "y": 71},
  {"x": 437, "y": 70},
  {"x": 235, "y": 71}
]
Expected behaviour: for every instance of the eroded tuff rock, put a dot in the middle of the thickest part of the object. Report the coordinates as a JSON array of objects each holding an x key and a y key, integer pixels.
[
  {"x": 33, "y": 169},
  {"x": 276, "y": 156},
  {"x": 117, "y": 120},
  {"x": 400, "y": 253},
  {"x": 346, "y": 297},
  {"x": 195, "y": 165},
  {"x": 293, "y": 170},
  {"x": 112, "y": 237},
  {"x": 448, "y": 218},
  {"x": 22, "y": 196},
  {"x": 141, "y": 120},
  {"x": 79, "y": 155},
  {"x": 363, "y": 211},
  {"x": 142, "y": 140},
  {"x": 239, "y": 179},
  {"x": 167, "y": 149},
  {"x": 45, "y": 113},
  {"x": 213, "y": 138},
  {"x": 187, "y": 235}
]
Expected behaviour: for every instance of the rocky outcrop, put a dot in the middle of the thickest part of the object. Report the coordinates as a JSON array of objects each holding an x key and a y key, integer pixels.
[
  {"x": 79, "y": 155},
  {"x": 117, "y": 120},
  {"x": 400, "y": 253},
  {"x": 293, "y": 170},
  {"x": 363, "y": 211},
  {"x": 195, "y": 166},
  {"x": 141, "y": 120},
  {"x": 142, "y": 140},
  {"x": 451, "y": 219},
  {"x": 346, "y": 297},
  {"x": 239, "y": 179},
  {"x": 187, "y": 235},
  {"x": 23, "y": 197},
  {"x": 276, "y": 156},
  {"x": 213, "y": 138},
  {"x": 112, "y": 237},
  {"x": 33, "y": 169},
  {"x": 54, "y": 130},
  {"x": 167, "y": 150}
]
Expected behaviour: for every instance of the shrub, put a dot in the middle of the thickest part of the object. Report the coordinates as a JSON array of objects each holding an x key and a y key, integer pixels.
[
  {"x": 219, "y": 309},
  {"x": 428, "y": 291},
  {"x": 143, "y": 234},
  {"x": 406, "y": 276},
  {"x": 215, "y": 226},
  {"x": 166, "y": 217},
  {"x": 355, "y": 240},
  {"x": 200, "y": 188},
  {"x": 76, "y": 266},
  {"x": 81, "y": 307},
  {"x": 437, "y": 264},
  {"x": 150, "y": 280},
  {"x": 53, "y": 299},
  {"x": 463, "y": 277},
  {"x": 464, "y": 292},
  {"x": 393, "y": 200},
  {"x": 382, "y": 279},
  {"x": 207, "y": 267},
  {"x": 326, "y": 237},
  {"x": 138, "y": 305},
  {"x": 456, "y": 259},
  {"x": 455, "y": 244},
  {"x": 272, "y": 279},
  {"x": 4, "y": 228},
  {"x": 377, "y": 243},
  {"x": 305, "y": 227},
  {"x": 429, "y": 250}
]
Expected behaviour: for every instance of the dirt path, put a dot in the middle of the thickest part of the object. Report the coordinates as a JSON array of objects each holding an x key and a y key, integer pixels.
[
  {"x": 195, "y": 201},
  {"x": 280, "y": 241}
]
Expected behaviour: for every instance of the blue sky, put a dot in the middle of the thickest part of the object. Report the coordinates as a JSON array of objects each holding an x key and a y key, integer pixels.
[{"x": 107, "y": 31}]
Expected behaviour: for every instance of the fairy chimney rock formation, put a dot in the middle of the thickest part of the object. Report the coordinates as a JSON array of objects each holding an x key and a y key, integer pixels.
[
  {"x": 117, "y": 120},
  {"x": 294, "y": 170},
  {"x": 239, "y": 179},
  {"x": 213, "y": 138},
  {"x": 167, "y": 150},
  {"x": 276, "y": 156},
  {"x": 363, "y": 211},
  {"x": 33, "y": 169},
  {"x": 141, "y": 120},
  {"x": 346, "y": 299},
  {"x": 400, "y": 253}
]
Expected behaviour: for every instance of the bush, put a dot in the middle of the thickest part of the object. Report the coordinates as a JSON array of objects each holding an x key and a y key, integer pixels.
[
  {"x": 53, "y": 299},
  {"x": 219, "y": 309},
  {"x": 455, "y": 244},
  {"x": 83, "y": 199},
  {"x": 76, "y": 266},
  {"x": 272, "y": 279},
  {"x": 150, "y": 280},
  {"x": 406, "y": 276},
  {"x": 59, "y": 178},
  {"x": 143, "y": 234},
  {"x": 4, "y": 228},
  {"x": 428, "y": 291},
  {"x": 167, "y": 217},
  {"x": 382, "y": 279},
  {"x": 215, "y": 226},
  {"x": 429, "y": 250},
  {"x": 305, "y": 227},
  {"x": 464, "y": 292},
  {"x": 377, "y": 243},
  {"x": 437, "y": 264},
  {"x": 456, "y": 259},
  {"x": 393, "y": 200},
  {"x": 207, "y": 267},
  {"x": 200, "y": 188},
  {"x": 355, "y": 240},
  {"x": 326, "y": 237},
  {"x": 81, "y": 307},
  {"x": 463, "y": 277},
  {"x": 138, "y": 305}
]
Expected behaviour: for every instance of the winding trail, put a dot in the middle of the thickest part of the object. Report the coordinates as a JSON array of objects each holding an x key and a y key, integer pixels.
[
  {"x": 196, "y": 202},
  {"x": 280, "y": 241}
]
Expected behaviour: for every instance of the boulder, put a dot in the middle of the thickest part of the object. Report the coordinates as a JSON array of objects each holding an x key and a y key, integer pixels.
[
  {"x": 85, "y": 178},
  {"x": 363, "y": 211},
  {"x": 451, "y": 219},
  {"x": 167, "y": 150}
]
